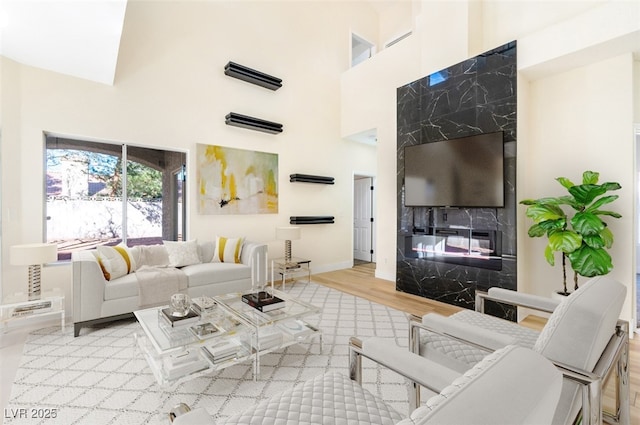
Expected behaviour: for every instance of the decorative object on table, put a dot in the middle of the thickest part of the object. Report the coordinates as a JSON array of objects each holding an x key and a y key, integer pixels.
[
  {"x": 296, "y": 328},
  {"x": 288, "y": 234},
  {"x": 263, "y": 301},
  {"x": 203, "y": 304},
  {"x": 176, "y": 321},
  {"x": 180, "y": 305},
  {"x": 34, "y": 255},
  {"x": 236, "y": 181},
  {"x": 205, "y": 330},
  {"x": 582, "y": 238}
]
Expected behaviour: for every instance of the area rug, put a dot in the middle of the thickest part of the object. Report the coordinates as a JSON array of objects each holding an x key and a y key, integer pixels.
[{"x": 101, "y": 378}]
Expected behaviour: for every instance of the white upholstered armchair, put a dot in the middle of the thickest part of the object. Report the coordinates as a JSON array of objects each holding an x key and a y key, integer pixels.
[
  {"x": 583, "y": 337},
  {"x": 511, "y": 386}
]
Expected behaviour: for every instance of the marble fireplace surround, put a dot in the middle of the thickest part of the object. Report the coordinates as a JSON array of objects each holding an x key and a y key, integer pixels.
[{"x": 472, "y": 97}]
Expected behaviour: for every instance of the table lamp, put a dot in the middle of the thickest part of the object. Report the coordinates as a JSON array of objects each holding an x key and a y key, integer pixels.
[
  {"x": 33, "y": 255},
  {"x": 287, "y": 234}
]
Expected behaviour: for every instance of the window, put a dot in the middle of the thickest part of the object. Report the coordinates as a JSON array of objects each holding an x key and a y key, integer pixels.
[
  {"x": 361, "y": 49},
  {"x": 103, "y": 194}
]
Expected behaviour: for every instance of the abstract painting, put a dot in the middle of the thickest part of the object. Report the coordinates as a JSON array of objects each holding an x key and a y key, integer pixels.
[{"x": 236, "y": 181}]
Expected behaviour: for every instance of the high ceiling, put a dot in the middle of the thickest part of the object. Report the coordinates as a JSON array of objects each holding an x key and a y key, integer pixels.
[
  {"x": 80, "y": 38},
  {"x": 74, "y": 37}
]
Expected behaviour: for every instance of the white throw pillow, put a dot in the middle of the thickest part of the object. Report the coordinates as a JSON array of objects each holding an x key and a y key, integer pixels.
[
  {"x": 115, "y": 261},
  {"x": 228, "y": 250},
  {"x": 182, "y": 253}
]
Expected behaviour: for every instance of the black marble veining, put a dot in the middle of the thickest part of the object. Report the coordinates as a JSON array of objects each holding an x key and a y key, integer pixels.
[{"x": 472, "y": 97}]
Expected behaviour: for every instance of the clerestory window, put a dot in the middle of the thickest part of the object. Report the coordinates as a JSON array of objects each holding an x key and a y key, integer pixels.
[{"x": 103, "y": 194}]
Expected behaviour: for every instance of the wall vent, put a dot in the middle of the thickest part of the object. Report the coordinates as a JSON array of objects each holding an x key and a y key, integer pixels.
[{"x": 398, "y": 39}]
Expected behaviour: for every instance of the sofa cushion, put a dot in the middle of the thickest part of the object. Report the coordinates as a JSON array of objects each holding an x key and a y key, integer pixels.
[
  {"x": 228, "y": 250},
  {"x": 151, "y": 255},
  {"x": 206, "y": 273},
  {"x": 182, "y": 253},
  {"x": 115, "y": 261},
  {"x": 205, "y": 251},
  {"x": 123, "y": 287}
]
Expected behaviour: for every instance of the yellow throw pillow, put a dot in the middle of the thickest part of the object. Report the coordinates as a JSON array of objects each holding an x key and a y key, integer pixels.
[
  {"x": 228, "y": 250},
  {"x": 115, "y": 261}
]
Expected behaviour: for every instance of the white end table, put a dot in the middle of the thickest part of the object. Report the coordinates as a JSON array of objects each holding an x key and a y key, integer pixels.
[
  {"x": 291, "y": 267},
  {"x": 16, "y": 308}
]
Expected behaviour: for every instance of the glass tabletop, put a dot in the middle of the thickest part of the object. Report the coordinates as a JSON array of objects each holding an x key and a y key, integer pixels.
[
  {"x": 165, "y": 337},
  {"x": 292, "y": 308}
]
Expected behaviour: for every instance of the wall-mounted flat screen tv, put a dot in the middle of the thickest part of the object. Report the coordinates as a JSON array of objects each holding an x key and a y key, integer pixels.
[{"x": 464, "y": 172}]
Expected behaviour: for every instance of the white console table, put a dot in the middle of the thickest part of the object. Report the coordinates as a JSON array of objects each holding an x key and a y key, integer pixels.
[{"x": 18, "y": 308}]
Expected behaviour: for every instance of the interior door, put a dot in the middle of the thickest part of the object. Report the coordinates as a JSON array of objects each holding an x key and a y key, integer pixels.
[{"x": 362, "y": 219}]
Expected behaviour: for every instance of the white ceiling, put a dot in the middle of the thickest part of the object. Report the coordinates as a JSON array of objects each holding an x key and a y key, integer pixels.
[{"x": 74, "y": 37}]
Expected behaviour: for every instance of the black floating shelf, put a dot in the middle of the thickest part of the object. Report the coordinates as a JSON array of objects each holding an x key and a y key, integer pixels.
[
  {"x": 249, "y": 75},
  {"x": 311, "y": 219},
  {"x": 244, "y": 121},
  {"x": 307, "y": 178}
]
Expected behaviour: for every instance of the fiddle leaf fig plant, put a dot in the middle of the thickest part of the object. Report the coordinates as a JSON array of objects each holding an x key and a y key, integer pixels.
[{"x": 583, "y": 238}]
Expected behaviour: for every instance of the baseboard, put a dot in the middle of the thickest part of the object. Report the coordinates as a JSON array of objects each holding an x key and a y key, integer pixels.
[
  {"x": 324, "y": 268},
  {"x": 385, "y": 276}
]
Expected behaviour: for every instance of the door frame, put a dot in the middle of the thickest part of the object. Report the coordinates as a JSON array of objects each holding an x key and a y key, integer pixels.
[{"x": 373, "y": 213}]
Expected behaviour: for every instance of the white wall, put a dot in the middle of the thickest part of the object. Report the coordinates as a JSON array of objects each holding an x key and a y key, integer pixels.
[
  {"x": 170, "y": 91},
  {"x": 579, "y": 121},
  {"x": 592, "y": 106}
]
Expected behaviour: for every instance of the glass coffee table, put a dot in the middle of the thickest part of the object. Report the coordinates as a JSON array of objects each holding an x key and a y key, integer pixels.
[{"x": 228, "y": 333}]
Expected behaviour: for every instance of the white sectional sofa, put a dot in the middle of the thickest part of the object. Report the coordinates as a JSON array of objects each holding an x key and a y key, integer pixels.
[{"x": 97, "y": 300}]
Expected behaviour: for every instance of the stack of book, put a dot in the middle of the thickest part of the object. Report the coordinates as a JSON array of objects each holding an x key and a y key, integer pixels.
[
  {"x": 221, "y": 350},
  {"x": 183, "y": 363},
  {"x": 263, "y": 301},
  {"x": 25, "y": 310},
  {"x": 175, "y": 321}
]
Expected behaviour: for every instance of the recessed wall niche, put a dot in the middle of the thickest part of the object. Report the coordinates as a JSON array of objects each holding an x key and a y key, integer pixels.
[{"x": 472, "y": 97}]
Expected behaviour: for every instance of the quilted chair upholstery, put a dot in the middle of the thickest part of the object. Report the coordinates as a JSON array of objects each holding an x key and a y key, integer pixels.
[
  {"x": 512, "y": 386},
  {"x": 580, "y": 336}
]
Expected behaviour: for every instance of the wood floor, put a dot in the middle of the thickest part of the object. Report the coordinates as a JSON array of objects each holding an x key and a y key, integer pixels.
[{"x": 361, "y": 282}]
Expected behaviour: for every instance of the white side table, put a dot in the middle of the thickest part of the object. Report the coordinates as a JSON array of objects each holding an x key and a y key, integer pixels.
[
  {"x": 16, "y": 308},
  {"x": 291, "y": 267}
]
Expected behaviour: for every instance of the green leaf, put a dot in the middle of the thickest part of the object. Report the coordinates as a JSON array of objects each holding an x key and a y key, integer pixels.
[
  {"x": 590, "y": 177},
  {"x": 544, "y": 212},
  {"x": 594, "y": 241},
  {"x": 587, "y": 223},
  {"x": 565, "y": 182},
  {"x": 537, "y": 231},
  {"x": 544, "y": 227},
  {"x": 590, "y": 262},
  {"x": 607, "y": 237},
  {"x": 586, "y": 193},
  {"x": 548, "y": 254},
  {"x": 609, "y": 213},
  {"x": 569, "y": 200},
  {"x": 602, "y": 201},
  {"x": 611, "y": 186},
  {"x": 565, "y": 240}
]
